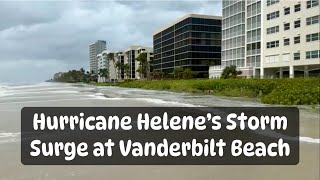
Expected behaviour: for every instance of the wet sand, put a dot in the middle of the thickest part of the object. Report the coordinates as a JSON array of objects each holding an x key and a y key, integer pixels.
[{"x": 66, "y": 95}]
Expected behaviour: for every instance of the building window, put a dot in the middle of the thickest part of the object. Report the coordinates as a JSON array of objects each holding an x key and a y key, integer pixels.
[
  {"x": 297, "y": 8},
  {"x": 297, "y": 24},
  {"x": 313, "y": 20},
  {"x": 270, "y": 2},
  {"x": 313, "y": 54},
  {"x": 287, "y": 11},
  {"x": 272, "y": 59},
  {"x": 272, "y": 30},
  {"x": 296, "y": 56},
  {"x": 286, "y": 26},
  {"x": 272, "y": 44},
  {"x": 273, "y": 15},
  {"x": 297, "y": 40},
  {"x": 313, "y": 37},
  {"x": 286, "y": 57},
  {"x": 312, "y": 3},
  {"x": 286, "y": 42}
]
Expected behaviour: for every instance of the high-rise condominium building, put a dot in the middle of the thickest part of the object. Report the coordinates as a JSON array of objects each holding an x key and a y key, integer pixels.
[
  {"x": 241, "y": 36},
  {"x": 131, "y": 56},
  {"x": 94, "y": 49},
  {"x": 116, "y": 67},
  {"x": 193, "y": 41},
  {"x": 270, "y": 38},
  {"x": 291, "y": 38},
  {"x": 103, "y": 63}
]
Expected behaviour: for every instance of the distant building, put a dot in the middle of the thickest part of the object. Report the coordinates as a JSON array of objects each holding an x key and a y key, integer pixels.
[
  {"x": 103, "y": 63},
  {"x": 120, "y": 58},
  {"x": 132, "y": 54},
  {"x": 193, "y": 41},
  {"x": 95, "y": 49}
]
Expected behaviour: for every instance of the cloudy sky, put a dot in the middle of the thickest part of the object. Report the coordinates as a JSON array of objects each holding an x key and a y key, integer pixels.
[{"x": 39, "y": 38}]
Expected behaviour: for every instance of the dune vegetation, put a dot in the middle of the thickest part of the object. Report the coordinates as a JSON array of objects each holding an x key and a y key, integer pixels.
[{"x": 269, "y": 91}]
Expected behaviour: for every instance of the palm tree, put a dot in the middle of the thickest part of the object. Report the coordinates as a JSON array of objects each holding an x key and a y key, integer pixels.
[
  {"x": 104, "y": 73},
  {"x": 126, "y": 68},
  {"x": 82, "y": 75},
  {"x": 93, "y": 76},
  {"x": 230, "y": 72},
  {"x": 143, "y": 65},
  {"x": 118, "y": 66},
  {"x": 111, "y": 57}
]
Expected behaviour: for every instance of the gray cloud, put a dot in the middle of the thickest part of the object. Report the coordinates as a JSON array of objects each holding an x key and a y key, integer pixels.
[{"x": 47, "y": 37}]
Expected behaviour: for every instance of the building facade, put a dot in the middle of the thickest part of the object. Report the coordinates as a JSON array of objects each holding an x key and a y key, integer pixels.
[
  {"x": 116, "y": 67},
  {"x": 241, "y": 36},
  {"x": 271, "y": 38},
  {"x": 291, "y": 39},
  {"x": 193, "y": 41},
  {"x": 131, "y": 55},
  {"x": 103, "y": 63},
  {"x": 94, "y": 49}
]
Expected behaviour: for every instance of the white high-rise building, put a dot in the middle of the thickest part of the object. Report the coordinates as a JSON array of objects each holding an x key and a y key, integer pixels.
[
  {"x": 270, "y": 38},
  {"x": 291, "y": 38},
  {"x": 95, "y": 49},
  {"x": 241, "y": 37},
  {"x": 103, "y": 63}
]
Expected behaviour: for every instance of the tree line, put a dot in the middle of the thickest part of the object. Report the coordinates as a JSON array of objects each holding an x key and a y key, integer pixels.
[{"x": 145, "y": 70}]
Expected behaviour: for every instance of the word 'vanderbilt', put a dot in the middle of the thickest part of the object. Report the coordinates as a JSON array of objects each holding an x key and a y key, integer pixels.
[{"x": 145, "y": 122}]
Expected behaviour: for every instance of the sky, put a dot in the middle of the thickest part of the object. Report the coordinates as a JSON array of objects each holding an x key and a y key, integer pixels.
[{"x": 40, "y": 38}]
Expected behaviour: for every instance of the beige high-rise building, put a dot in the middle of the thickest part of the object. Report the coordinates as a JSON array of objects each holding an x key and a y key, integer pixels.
[
  {"x": 132, "y": 54},
  {"x": 117, "y": 73}
]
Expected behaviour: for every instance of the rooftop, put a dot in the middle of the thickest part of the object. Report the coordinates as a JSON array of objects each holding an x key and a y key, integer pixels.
[{"x": 188, "y": 16}]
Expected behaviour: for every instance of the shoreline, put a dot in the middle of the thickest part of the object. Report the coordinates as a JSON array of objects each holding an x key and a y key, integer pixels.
[{"x": 287, "y": 92}]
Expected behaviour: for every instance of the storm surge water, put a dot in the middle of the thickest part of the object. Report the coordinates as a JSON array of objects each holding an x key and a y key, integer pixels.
[{"x": 13, "y": 97}]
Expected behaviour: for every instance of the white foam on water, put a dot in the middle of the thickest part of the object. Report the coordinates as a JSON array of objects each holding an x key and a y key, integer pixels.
[
  {"x": 35, "y": 85},
  {"x": 97, "y": 96},
  {"x": 150, "y": 100},
  {"x": 6, "y": 137},
  {"x": 63, "y": 91},
  {"x": 173, "y": 103},
  {"x": 309, "y": 140},
  {"x": 53, "y": 100}
]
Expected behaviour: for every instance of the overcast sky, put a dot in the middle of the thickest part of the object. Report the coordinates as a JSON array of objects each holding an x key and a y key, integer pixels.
[{"x": 39, "y": 38}]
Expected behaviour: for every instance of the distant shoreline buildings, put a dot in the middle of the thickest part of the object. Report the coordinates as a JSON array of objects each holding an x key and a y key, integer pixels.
[
  {"x": 123, "y": 64},
  {"x": 263, "y": 39}
]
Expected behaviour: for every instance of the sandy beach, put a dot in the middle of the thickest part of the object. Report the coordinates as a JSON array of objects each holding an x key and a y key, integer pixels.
[{"x": 14, "y": 98}]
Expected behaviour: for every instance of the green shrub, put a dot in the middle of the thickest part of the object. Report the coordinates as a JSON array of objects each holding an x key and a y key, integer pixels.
[{"x": 271, "y": 91}]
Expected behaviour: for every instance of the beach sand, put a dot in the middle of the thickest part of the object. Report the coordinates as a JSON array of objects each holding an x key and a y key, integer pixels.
[{"x": 57, "y": 95}]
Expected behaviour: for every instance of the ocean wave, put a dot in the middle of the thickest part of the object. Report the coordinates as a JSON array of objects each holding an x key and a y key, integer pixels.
[
  {"x": 309, "y": 140},
  {"x": 173, "y": 103},
  {"x": 6, "y": 137},
  {"x": 150, "y": 100}
]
